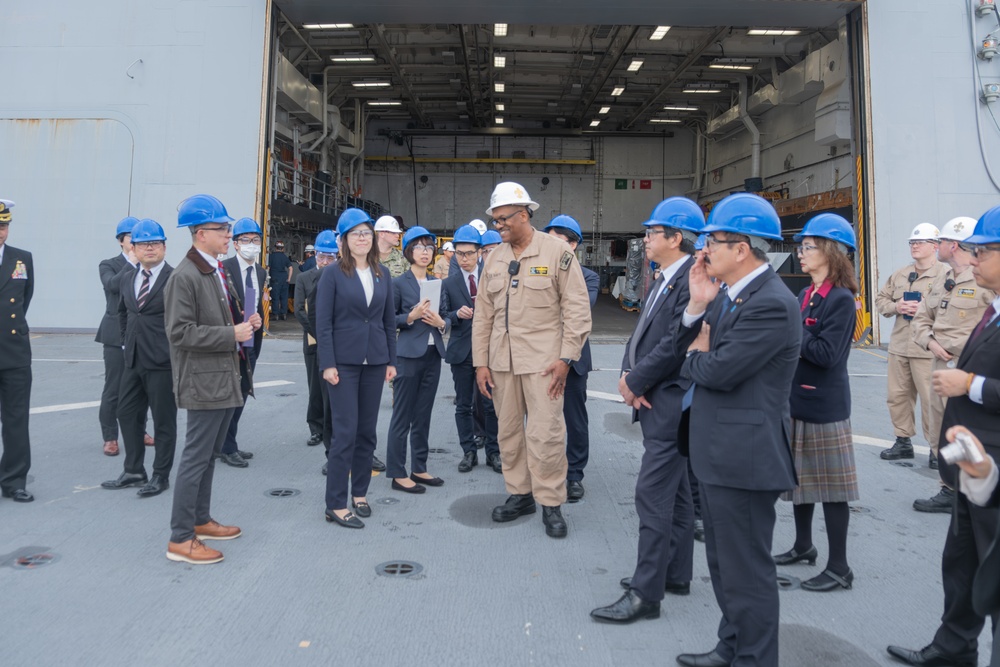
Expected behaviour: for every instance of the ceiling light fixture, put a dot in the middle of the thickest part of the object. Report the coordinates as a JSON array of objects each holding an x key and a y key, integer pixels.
[
  {"x": 773, "y": 32},
  {"x": 658, "y": 33},
  {"x": 604, "y": 110},
  {"x": 498, "y": 120},
  {"x": 371, "y": 84},
  {"x": 384, "y": 103},
  {"x": 353, "y": 59},
  {"x": 499, "y": 29},
  {"x": 499, "y": 87},
  {"x": 328, "y": 26},
  {"x": 705, "y": 87},
  {"x": 618, "y": 90},
  {"x": 499, "y": 61},
  {"x": 679, "y": 108},
  {"x": 501, "y": 106},
  {"x": 595, "y": 123},
  {"x": 635, "y": 65},
  {"x": 664, "y": 120},
  {"x": 734, "y": 63}
]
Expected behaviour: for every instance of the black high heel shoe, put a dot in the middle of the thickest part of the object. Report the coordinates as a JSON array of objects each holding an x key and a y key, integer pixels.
[
  {"x": 828, "y": 580},
  {"x": 792, "y": 556}
]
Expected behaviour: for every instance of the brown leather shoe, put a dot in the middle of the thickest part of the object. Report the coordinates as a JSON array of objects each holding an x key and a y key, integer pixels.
[
  {"x": 147, "y": 440},
  {"x": 194, "y": 552},
  {"x": 213, "y": 530},
  {"x": 111, "y": 448}
]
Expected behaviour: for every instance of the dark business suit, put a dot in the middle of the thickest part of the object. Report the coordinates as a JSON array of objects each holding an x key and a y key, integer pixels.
[
  {"x": 305, "y": 292},
  {"x": 575, "y": 398},
  {"x": 17, "y": 283},
  {"x": 248, "y": 360},
  {"x": 418, "y": 372},
  {"x": 740, "y": 450},
  {"x": 146, "y": 378},
  {"x": 973, "y": 529},
  {"x": 454, "y": 295},
  {"x": 109, "y": 334},
  {"x": 359, "y": 340},
  {"x": 986, "y": 587},
  {"x": 653, "y": 358}
]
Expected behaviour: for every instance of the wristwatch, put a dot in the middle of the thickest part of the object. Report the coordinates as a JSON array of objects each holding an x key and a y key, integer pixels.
[{"x": 568, "y": 362}]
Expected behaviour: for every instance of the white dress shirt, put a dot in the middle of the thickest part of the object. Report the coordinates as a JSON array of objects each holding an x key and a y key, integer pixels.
[
  {"x": 733, "y": 292},
  {"x": 137, "y": 283},
  {"x": 244, "y": 265},
  {"x": 214, "y": 261}
]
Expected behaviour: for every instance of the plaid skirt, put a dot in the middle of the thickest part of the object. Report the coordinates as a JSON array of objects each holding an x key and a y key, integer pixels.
[{"x": 824, "y": 463}]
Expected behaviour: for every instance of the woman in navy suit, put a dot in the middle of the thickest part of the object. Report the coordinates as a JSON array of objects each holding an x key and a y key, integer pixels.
[
  {"x": 420, "y": 350},
  {"x": 822, "y": 443},
  {"x": 356, "y": 347}
]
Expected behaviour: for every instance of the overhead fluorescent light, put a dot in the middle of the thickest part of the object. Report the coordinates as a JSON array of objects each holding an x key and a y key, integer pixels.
[
  {"x": 499, "y": 29},
  {"x": 658, "y": 33},
  {"x": 498, "y": 120},
  {"x": 664, "y": 120},
  {"x": 679, "y": 108},
  {"x": 353, "y": 59},
  {"x": 560, "y": 120},
  {"x": 384, "y": 103},
  {"x": 705, "y": 87},
  {"x": 595, "y": 123},
  {"x": 371, "y": 84},
  {"x": 734, "y": 63},
  {"x": 499, "y": 61},
  {"x": 499, "y": 87},
  {"x": 501, "y": 106},
  {"x": 773, "y": 32},
  {"x": 604, "y": 110},
  {"x": 635, "y": 65},
  {"x": 698, "y": 91},
  {"x": 552, "y": 105},
  {"x": 328, "y": 26},
  {"x": 618, "y": 90}
]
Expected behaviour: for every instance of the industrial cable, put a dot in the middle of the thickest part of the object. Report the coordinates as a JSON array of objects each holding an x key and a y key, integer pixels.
[{"x": 977, "y": 78}]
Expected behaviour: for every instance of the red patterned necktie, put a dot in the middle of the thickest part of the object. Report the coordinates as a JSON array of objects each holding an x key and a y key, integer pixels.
[
  {"x": 987, "y": 316},
  {"x": 472, "y": 287}
]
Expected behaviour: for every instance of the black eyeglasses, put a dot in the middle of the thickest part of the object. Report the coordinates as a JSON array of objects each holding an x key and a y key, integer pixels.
[
  {"x": 502, "y": 220},
  {"x": 466, "y": 254},
  {"x": 711, "y": 241},
  {"x": 977, "y": 250}
]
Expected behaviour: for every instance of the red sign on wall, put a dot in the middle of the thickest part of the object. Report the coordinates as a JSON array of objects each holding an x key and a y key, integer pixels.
[{"x": 645, "y": 185}]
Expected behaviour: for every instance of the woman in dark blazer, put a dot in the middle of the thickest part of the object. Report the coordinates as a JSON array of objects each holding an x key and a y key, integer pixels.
[
  {"x": 822, "y": 443},
  {"x": 356, "y": 349},
  {"x": 420, "y": 350}
]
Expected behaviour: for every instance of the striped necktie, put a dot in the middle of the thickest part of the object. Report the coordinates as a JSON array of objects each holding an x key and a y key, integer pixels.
[{"x": 144, "y": 288}]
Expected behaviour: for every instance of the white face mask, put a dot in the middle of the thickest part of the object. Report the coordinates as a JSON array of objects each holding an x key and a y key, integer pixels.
[{"x": 249, "y": 252}]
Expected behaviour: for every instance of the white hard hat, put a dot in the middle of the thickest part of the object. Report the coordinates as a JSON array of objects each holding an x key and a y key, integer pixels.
[
  {"x": 925, "y": 231},
  {"x": 387, "y": 223},
  {"x": 479, "y": 225},
  {"x": 448, "y": 246},
  {"x": 310, "y": 248},
  {"x": 510, "y": 194},
  {"x": 958, "y": 229}
]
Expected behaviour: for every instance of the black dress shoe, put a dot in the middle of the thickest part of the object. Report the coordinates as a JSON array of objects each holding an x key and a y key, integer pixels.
[
  {"x": 555, "y": 524},
  {"x": 516, "y": 505},
  {"x": 941, "y": 503},
  {"x": 125, "y": 480},
  {"x": 629, "y": 607},
  {"x": 931, "y": 656},
  {"x": 932, "y": 461},
  {"x": 427, "y": 481},
  {"x": 324, "y": 467},
  {"x": 157, "y": 484},
  {"x": 828, "y": 581},
  {"x": 17, "y": 495},
  {"x": 349, "y": 521},
  {"x": 416, "y": 488},
  {"x": 377, "y": 464},
  {"x": 493, "y": 461},
  {"x": 469, "y": 461},
  {"x": 314, "y": 439},
  {"x": 669, "y": 587},
  {"x": 245, "y": 455},
  {"x": 363, "y": 509},
  {"x": 792, "y": 556},
  {"x": 710, "y": 659},
  {"x": 699, "y": 530},
  {"x": 234, "y": 460},
  {"x": 574, "y": 491},
  {"x": 901, "y": 449}
]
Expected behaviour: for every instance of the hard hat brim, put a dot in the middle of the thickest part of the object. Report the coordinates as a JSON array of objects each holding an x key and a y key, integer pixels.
[{"x": 533, "y": 206}]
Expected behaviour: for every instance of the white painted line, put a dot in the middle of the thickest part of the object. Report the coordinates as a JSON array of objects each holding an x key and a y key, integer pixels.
[
  {"x": 96, "y": 404},
  {"x": 607, "y": 397},
  {"x": 271, "y": 383},
  {"x": 68, "y": 360},
  {"x": 885, "y": 444},
  {"x": 867, "y": 375}
]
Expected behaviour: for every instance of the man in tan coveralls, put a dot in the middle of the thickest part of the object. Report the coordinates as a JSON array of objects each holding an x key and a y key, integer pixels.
[
  {"x": 942, "y": 326},
  {"x": 532, "y": 318},
  {"x": 909, "y": 365}
]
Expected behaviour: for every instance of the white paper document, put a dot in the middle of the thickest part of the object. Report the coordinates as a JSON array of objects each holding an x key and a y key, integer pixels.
[{"x": 431, "y": 289}]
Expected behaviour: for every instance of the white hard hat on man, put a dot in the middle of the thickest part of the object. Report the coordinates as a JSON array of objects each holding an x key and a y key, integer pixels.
[
  {"x": 925, "y": 231},
  {"x": 510, "y": 194}
]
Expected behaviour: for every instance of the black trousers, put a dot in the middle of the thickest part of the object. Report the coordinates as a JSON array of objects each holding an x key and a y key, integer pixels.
[
  {"x": 15, "y": 397},
  {"x": 577, "y": 425},
  {"x": 739, "y": 527},
  {"x": 464, "y": 377},
  {"x": 970, "y": 534},
  {"x": 666, "y": 517},
  {"x": 414, "y": 391},
  {"x": 354, "y": 404},
  {"x": 230, "y": 445},
  {"x": 206, "y": 430},
  {"x": 314, "y": 409},
  {"x": 279, "y": 297},
  {"x": 143, "y": 389},
  {"x": 114, "y": 362}
]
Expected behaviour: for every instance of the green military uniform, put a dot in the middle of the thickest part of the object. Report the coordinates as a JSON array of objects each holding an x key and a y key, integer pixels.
[{"x": 396, "y": 263}]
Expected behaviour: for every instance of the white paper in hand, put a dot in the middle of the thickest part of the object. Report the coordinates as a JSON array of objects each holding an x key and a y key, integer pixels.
[{"x": 431, "y": 289}]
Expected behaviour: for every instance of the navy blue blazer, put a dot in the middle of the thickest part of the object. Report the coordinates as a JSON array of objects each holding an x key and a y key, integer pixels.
[
  {"x": 584, "y": 364},
  {"x": 740, "y": 427},
  {"x": 412, "y": 340},
  {"x": 821, "y": 389},
  {"x": 454, "y": 295},
  {"x": 232, "y": 267},
  {"x": 350, "y": 331},
  {"x": 143, "y": 332}
]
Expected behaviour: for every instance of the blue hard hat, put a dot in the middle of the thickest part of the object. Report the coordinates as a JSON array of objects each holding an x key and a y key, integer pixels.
[
  {"x": 745, "y": 213},
  {"x": 246, "y": 226},
  {"x": 829, "y": 226},
  {"x": 147, "y": 230},
  {"x": 491, "y": 237},
  {"x": 201, "y": 209},
  {"x": 326, "y": 242},
  {"x": 467, "y": 234},
  {"x": 414, "y": 233},
  {"x": 987, "y": 229},
  {"x": 126, "y": 225},
  {"x": 565, "y": 222},
  {"x": 679, "y": 213},
  {"x": 350, "y": 219},
  {"x": 699, "y": 244}
]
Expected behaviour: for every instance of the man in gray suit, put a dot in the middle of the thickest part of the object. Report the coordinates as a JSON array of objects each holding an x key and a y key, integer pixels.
[
  {"x": 741, "y": 364},
  {"x": 204, "y": 329}
]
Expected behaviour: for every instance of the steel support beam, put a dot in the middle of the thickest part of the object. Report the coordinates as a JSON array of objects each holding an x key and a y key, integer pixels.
[{"x": 378, "y": 31}]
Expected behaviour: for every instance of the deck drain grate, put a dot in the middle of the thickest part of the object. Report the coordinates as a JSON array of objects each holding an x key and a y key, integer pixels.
[
  {"x": 902, "y": 464},
  {"x": 788, "y": 583},
  {"x": 387, "y": 501},
  {"x": 34, "y": 561},
  {"x": 286, "y": 395},
  {"x": 437, "y": 450},
  {"x": 398, "y": 569},
  {"x": 282, "y": 493}
]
